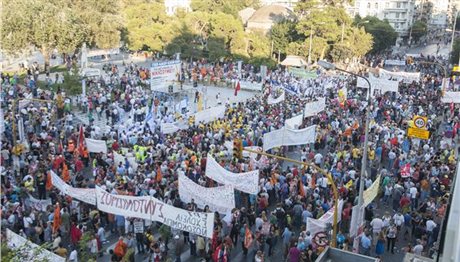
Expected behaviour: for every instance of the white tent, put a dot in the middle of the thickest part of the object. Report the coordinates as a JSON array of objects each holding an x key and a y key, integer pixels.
[{"x": 293, "y": 60}]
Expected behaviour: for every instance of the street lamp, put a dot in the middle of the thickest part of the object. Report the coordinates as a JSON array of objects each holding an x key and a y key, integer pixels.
[{"x": 330, "y": 66}]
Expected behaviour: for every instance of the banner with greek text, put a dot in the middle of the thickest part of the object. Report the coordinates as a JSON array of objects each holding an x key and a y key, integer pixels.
[
  {"x": 28, "y": 251},
  {"x": 164, "y": 74},
  {"x": 251, "y": 86},
  {"x": 96, "y": 146},
  {"x": 406, "y": 77},
  {"x": 146, "y": 207},
  {"x": 220, "y": 199},
  {"x": 313, "y": 108},
  {"x": 210, "y": 114},
  {"x": 372, "y": 192},
  {"x": 451, "y": 97},
  {"x": 87, "y": 195},
  {"x": 289, "y": 137},
  {"x": 37, "y": 204},
  {"x": 271, "y": 100},
  {"x": 247, "y": 182}
]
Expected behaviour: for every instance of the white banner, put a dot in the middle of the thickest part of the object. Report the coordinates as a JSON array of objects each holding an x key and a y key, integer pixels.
[
  {"x": 406, "y": 77},
  {"x": 246, "y": 182},
  {"x": 390, "y": 62},
  {"x": 256, "y": 160},
  {"x": 320, "y": 225},
  {"x": 150, "y": 208},
  {"x": 164, "y": 74},
  {"x": 96, "y": 146},
  {"x": 117, "y": 158},
  {"x": 87, "y": 195},
  {"x": 451, "y": 97},
  {"x": 385, "y": 85},
  {"x": 294, "y": 122},
  {"x": 220, "y": 199},
  {"x": 370, "y": 193},
  {"x": 289, "y": 137},
  {"x": 271, "y": 100},
  {"x": 29, "y": 251},
  {"x": 37, "y": 204},
  {"x": 252, "y": 86},
  {"x": 313, "y": 108},
  {"x": 210, "y": 114}
]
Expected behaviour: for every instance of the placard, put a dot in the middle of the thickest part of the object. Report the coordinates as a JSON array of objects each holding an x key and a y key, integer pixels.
[
  {"x": 320, "y": 225},
  {"x": 138, "y": 226},
  {"x": 219, "y": 199},
  {"x": 451, "y": 97},
  {"x": 418, "y": 133},
  {"x": 96, "y": 146},
  {"x": 406, "y": 77},
  {"x": 272, "y": 101},
  {"x": 294, "y": 122},
  {"x": 246, "y": 182},
  {"x": 147, "y": 207},
  {"x": 315, "y": 107},
  {"x": 372, "y": 192}
]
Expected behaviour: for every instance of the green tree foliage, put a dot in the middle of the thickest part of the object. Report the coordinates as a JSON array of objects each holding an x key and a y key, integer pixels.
[
  {"x": 148, "y": 26},
  {"x": 419, "y": 29},
  {"x": 59, "y": 24},
  {"x": 284, "y": 33},
  {"x": 383, "y": 34},
  {"x": 231, "y": 7}
]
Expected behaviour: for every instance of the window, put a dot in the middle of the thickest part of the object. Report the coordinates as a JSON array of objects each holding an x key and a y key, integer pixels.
[
  {"x": 368, "y": 5},
  {"x": 396, "y": 25},
  {"x": 398, "y": 5},
  {"x": 387, "y": 5},
  {"x": 376, "y": 5},
  {"x": 397, "y": 15}
]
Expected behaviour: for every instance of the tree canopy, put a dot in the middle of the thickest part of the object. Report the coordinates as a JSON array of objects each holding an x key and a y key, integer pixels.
[
  {"x": 419, "y": 29},
  {"x": 383, "y": 34}
]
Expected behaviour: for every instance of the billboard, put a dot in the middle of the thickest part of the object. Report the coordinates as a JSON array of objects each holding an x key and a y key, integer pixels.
[{"x": 164, "y": 74}]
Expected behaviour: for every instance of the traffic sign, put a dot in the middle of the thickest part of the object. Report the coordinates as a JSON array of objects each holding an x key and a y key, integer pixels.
[
  {"x": 420, "y": 121},
  {"x": 418, "y": 133}
]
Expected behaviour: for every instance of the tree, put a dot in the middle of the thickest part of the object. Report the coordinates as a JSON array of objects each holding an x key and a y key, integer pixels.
[
  {"x": 283, "y": 33},
  {"x": 44, "y": 24},
  {"x": 148, "y": 26},
  {"x": 419, "y": 29},
  {"x": 383, "y": 34},
  {"x": 231, "y": 7}
]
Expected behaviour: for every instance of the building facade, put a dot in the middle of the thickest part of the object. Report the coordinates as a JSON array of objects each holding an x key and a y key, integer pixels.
[
  {"x": 172, "y": 6},
  {"x": 399, "y": 13},
  {"x": 286, "y": 3}
]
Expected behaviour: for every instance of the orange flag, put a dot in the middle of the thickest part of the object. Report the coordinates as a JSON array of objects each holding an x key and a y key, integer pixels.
[
  {"x": 313, "y": 181},
  {"x": 49, "y": 183},
  {"x": 57, "y": 218},
  {"x": 159, "y": 176},
  {"x": 301, "y": 189},
  {"x": 65, "y": 173},
  {"x": 247, "y": 238}
]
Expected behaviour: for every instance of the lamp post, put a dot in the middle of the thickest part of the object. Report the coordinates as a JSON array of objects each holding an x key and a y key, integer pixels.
[
  {"x": 453, "y": 32},
  {"x": 329, "y": 66}
]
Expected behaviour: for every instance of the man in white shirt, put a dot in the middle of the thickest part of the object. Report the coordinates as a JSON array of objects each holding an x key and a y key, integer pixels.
[
  {"x": 413, "y": 197},
  {"x": 318, "y": 159},
  {"x": 377, "y": 225}
]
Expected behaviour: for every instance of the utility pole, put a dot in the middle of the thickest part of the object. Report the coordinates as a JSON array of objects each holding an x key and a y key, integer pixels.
[
  {"x": 279, "y": 56},
  {"x": 453, "y": 32},
  {"x": 271, "y": 51},
  {"x": 309, "y": 50}
]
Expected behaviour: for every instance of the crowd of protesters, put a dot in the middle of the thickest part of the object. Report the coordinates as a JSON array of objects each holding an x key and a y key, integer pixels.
[{"x": 288, "y": 195}]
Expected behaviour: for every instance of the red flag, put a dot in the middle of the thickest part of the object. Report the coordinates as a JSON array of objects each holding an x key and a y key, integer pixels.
[
  {"x": 57, "y": 218},
  {"x": 452, "y": 108},
  {"x": 65, "y": 173},
  {"x": 60, "y": 148},
  {"x": 237, "y": 88},
  {"x": 81, "y": 141},
  {"x": 405, "y": 170}
]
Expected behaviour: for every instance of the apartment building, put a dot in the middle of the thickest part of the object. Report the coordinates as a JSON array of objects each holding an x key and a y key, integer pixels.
[
  {"x": 290, "y": 4},
  {"x": 399, "y": 13},
  {"x": 173, "y": 5}
]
